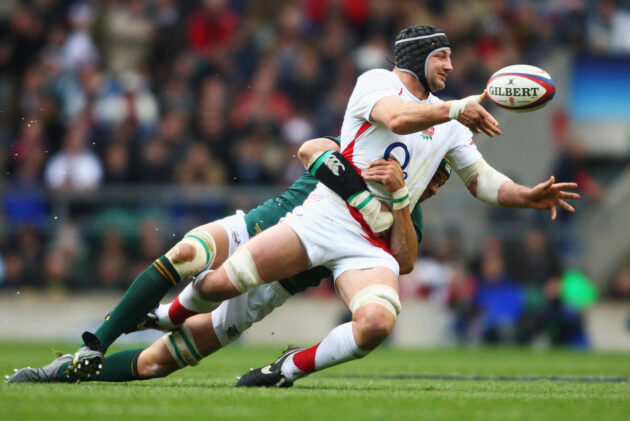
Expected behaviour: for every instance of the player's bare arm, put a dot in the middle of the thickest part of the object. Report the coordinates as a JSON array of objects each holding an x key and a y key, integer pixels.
[
  {"x": 323, "y": 161},
  {"x": 311, "y": 147},
  {"x": 403, "y": 117},
  {"x": 403, "y": 241},
  {"x": 545, "y": 195},
  {"x": 490, "y": 186},
  {"x": 410, "y": 117}
]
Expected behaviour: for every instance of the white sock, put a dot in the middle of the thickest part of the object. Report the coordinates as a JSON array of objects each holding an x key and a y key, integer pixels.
[
  {"x": 336, "y": 348},
  {"x": 162, "y": 314},
  {"x": 188, "y": 303},
  {"x": 191, "y": 300}
]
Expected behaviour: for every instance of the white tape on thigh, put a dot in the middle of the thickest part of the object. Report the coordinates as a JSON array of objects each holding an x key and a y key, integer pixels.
[
  {"x": 181, "y": 345},
  {"x": 242, "y": 271},
  {"x": 205, "y": 251},
  {"x": 377, "y": 294}
]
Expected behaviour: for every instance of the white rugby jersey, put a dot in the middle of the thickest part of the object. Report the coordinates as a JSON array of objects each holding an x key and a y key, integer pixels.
[{"x": 420, "y": 154}]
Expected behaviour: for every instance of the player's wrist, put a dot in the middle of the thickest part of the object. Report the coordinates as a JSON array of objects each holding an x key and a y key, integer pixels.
[
  {"x": 400, "y": 198},
  {"x": 455, "y": 108},
  {"x": 459, "y": 106},
  {"x": 524, "y": 197},
  {"x": 370, "y": 208}
]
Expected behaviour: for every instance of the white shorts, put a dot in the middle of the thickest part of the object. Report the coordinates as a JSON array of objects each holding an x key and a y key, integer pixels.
[
  {"x": 333, "y": 238},
  {"x": 236, "y": 315},
  {"x": 236, "y": 230}
]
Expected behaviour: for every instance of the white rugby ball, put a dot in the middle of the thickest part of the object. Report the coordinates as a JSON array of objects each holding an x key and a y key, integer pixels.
[{"x": 521, "y": 88}]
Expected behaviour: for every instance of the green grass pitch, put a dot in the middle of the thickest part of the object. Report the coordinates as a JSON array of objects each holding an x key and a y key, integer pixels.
[{"x": 389, "y": 384}]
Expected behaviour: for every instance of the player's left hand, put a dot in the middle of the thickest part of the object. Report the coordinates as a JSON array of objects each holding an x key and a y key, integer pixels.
[
  {"x": 549, "y": 194},
  {"x": 387, "y": 172}
]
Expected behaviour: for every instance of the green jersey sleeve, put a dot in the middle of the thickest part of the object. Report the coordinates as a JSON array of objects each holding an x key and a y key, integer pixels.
[{"x": 269, "y": 213}]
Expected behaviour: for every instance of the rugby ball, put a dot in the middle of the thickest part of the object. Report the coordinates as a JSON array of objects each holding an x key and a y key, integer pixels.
[{"x": 521, "y": 88}]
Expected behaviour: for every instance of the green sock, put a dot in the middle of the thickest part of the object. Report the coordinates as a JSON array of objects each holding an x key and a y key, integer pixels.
[
  {"x": 119, "y": 367},
  {"x": 61, "y": 377},
  {"x": 143, "y": 295}
]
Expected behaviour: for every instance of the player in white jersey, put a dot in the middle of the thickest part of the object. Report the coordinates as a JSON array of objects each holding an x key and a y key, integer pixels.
[
  {"x": 364, "y": 140},
  {"x": 327, "y": 231},
  {"x": 392, "y": 114}
]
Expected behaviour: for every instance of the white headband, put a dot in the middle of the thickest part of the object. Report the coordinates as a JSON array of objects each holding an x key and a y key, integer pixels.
[{"x": 439, "y": 34}]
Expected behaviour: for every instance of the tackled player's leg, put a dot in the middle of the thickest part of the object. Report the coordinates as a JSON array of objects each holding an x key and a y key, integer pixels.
[{"x": 372, "y": 297}]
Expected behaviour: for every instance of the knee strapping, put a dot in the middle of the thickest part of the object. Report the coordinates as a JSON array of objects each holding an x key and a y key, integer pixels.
[
  {"x": 383, "y": 295},
  {"x": 241, "y": 270},
  {"x": 181, "y": 345},
  {"x": 204, "y": 253}
]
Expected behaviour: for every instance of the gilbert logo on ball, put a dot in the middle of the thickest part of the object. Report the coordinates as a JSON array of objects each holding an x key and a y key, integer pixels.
[{"x": 521, "y": 88}]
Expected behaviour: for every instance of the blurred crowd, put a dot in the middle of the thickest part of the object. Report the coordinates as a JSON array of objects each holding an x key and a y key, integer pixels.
[
  {"x": 110, "y": 92},
  {"x": 218, "y": 92},
  {"x": 512, "y": 291}
]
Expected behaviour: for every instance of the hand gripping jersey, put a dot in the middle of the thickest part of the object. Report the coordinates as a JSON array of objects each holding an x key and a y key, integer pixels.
[
  {"x": 420, "y": 154},
  {"x": 270, "y": 212}
]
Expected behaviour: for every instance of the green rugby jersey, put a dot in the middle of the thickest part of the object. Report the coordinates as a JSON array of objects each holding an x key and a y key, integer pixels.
[{"x": 269, "y": 213}]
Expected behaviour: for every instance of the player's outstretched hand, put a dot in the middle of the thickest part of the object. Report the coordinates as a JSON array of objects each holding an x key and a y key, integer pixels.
[
  {"x": 387, "y": 172},
  {"x": 549, "y": 194},
  {"x": 475, "y": 117}
]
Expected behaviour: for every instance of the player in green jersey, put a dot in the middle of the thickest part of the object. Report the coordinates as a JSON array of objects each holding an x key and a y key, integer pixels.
[{"x": 203, "y": 334}]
